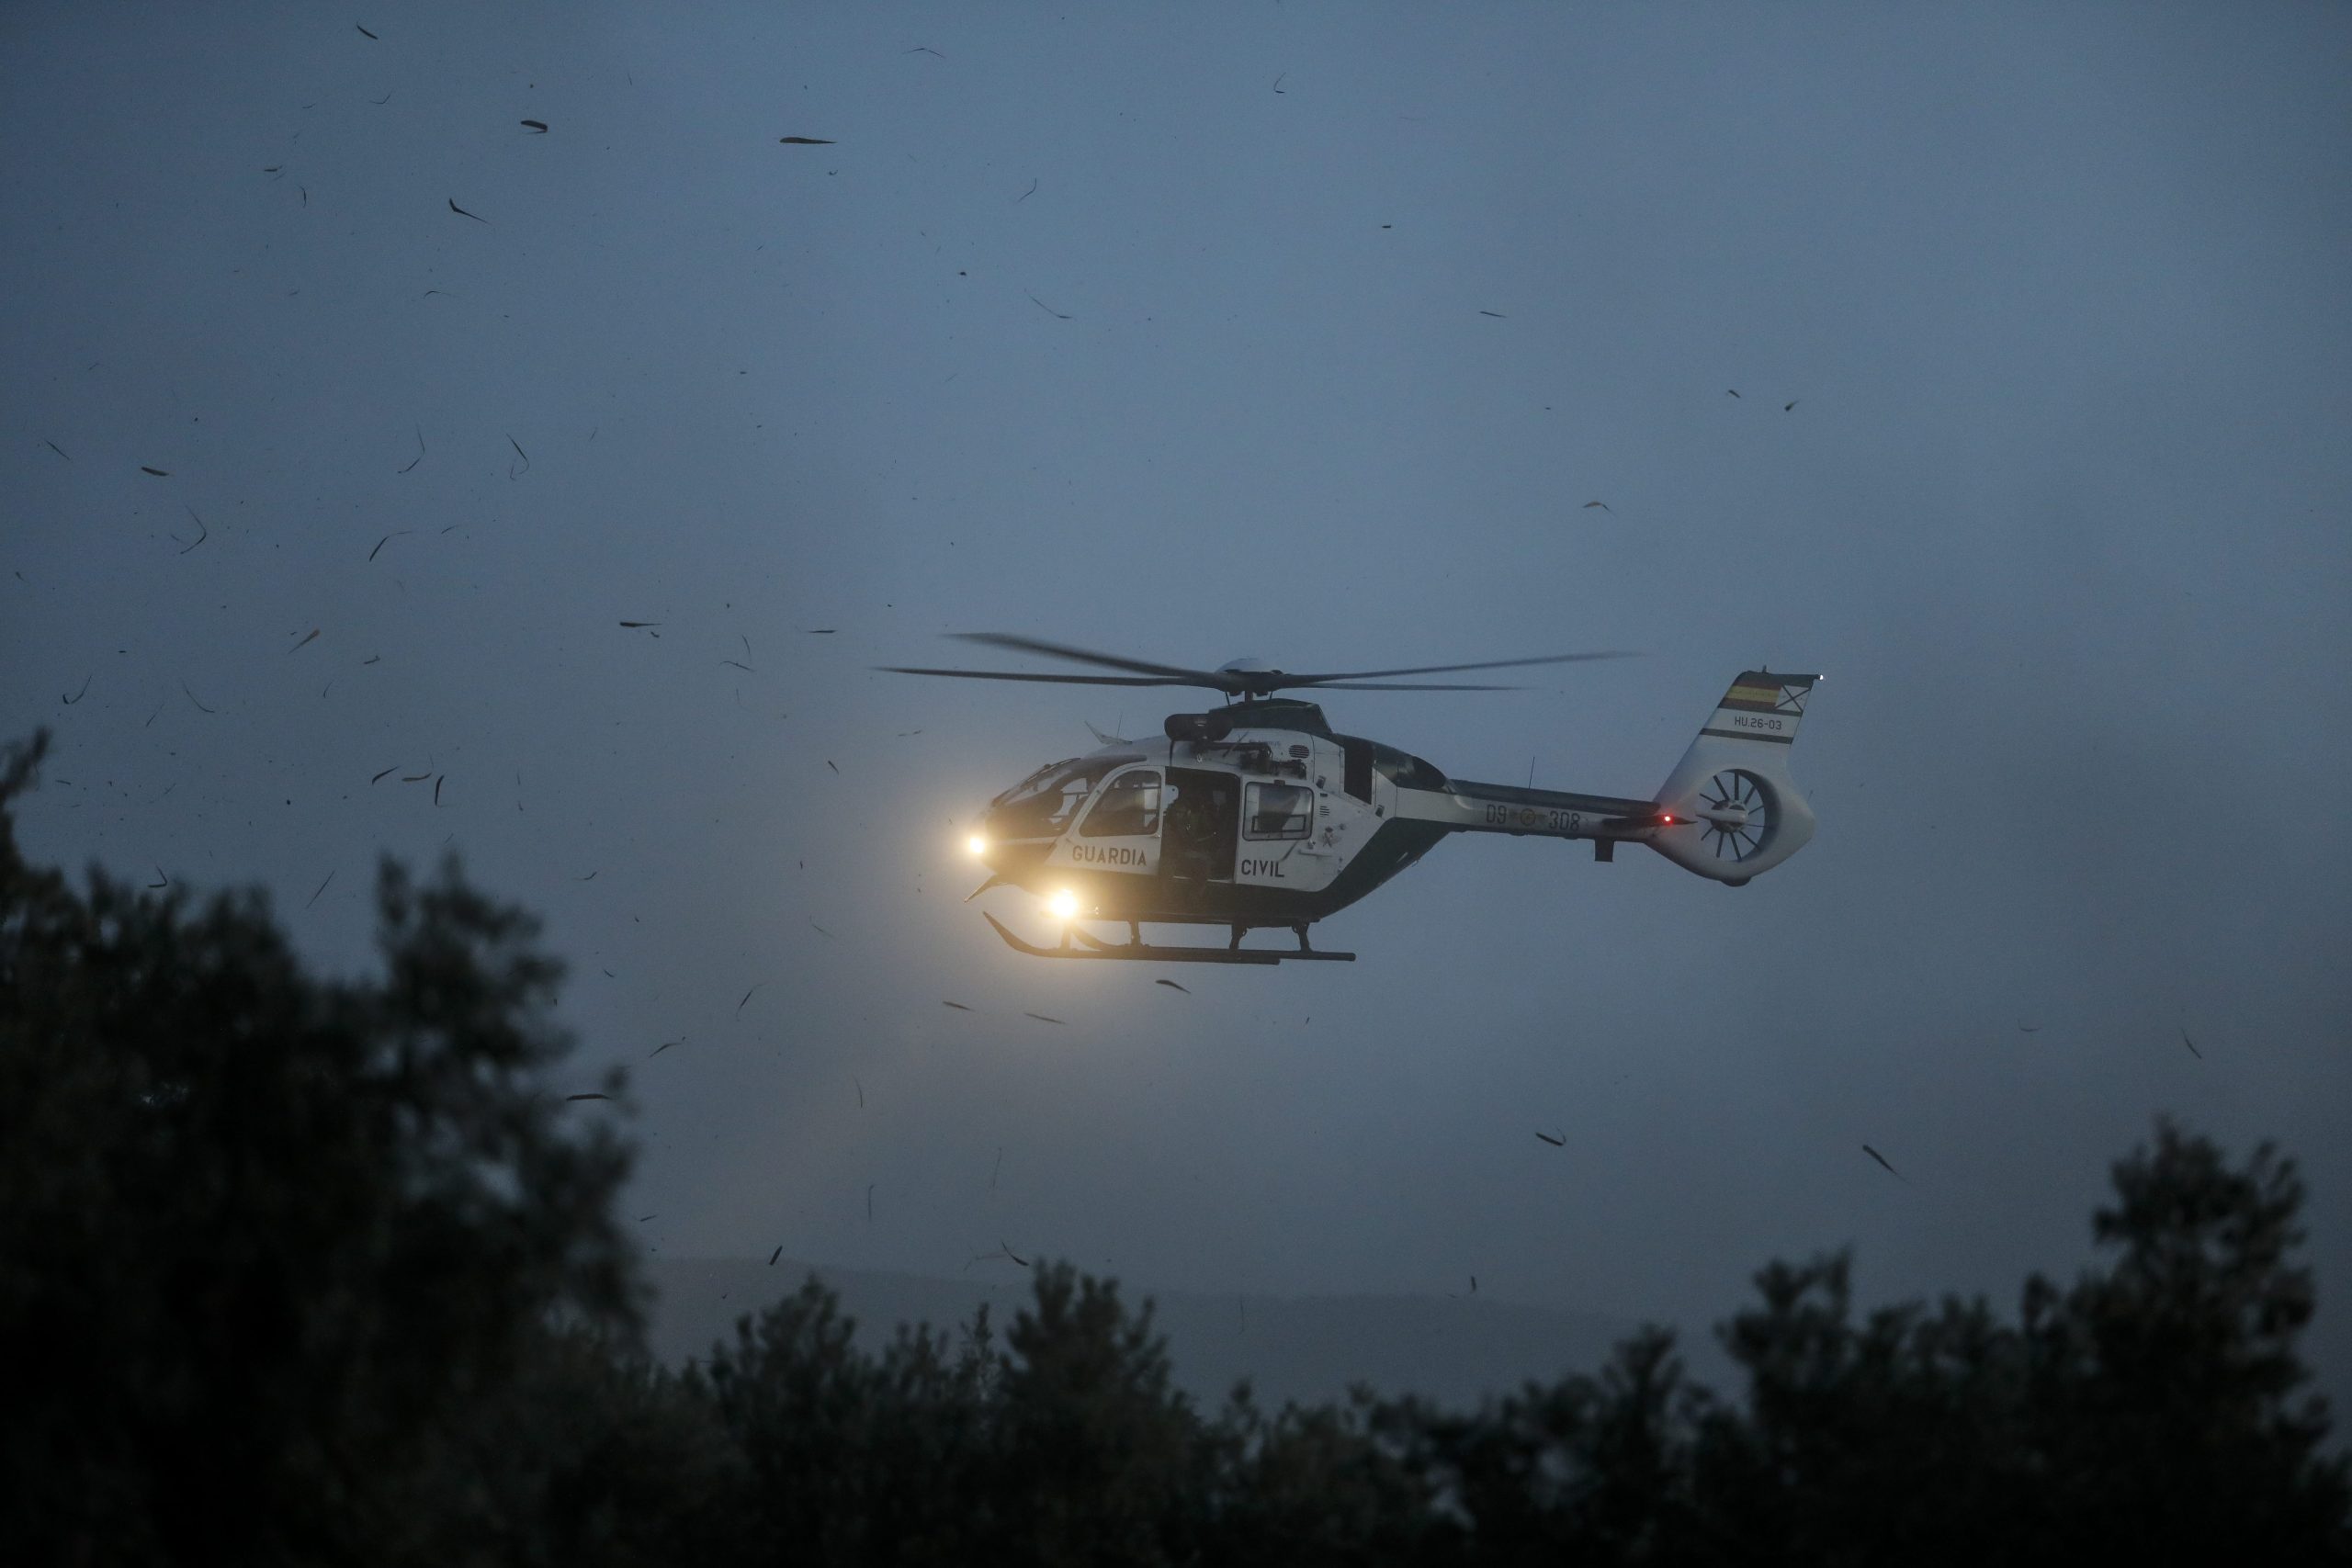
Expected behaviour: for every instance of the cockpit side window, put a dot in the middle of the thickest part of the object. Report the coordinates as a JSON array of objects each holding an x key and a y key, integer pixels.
[
  {"x": 1042, "y": 806},
  {"x": 1129, "y": 808}
]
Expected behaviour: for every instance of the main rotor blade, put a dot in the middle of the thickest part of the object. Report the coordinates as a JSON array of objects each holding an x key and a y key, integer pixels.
[
  {"x": 1107, "y": 660},
  {"x": 1449, "y": 668},
  {"x": 1032, "y": 675},
  {"x": 1402, "y": 686}
]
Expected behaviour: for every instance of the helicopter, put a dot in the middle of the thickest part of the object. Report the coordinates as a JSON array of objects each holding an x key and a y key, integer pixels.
[{"x": 1258, "y": 814}]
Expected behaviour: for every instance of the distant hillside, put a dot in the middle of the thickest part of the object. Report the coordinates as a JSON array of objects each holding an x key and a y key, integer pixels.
[{"x": 1303, "y": 1348}]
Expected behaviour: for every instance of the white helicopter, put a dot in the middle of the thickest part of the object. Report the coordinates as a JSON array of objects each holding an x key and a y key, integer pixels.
[{"x": 1257, "y": 814}]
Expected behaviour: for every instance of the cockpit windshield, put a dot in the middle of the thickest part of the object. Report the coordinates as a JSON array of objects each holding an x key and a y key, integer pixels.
[{"x": 1041, "y": 805}]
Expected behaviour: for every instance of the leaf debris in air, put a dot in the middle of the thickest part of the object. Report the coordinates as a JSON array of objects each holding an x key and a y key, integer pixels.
[
  {"x": 538, "y": 127},
  {"x": 463, "y": 213},
  {"x": 805, "y": 140}
]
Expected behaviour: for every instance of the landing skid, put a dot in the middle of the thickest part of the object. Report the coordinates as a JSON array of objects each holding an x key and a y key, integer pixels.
[{"x": 1089, "y": 946}]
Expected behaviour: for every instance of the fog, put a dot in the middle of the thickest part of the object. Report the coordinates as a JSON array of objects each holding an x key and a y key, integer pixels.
[{"x": 1301, "y": 333}]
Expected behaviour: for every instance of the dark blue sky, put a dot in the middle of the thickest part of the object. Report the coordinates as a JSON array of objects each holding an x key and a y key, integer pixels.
[{"x": 2061, "y": 297}]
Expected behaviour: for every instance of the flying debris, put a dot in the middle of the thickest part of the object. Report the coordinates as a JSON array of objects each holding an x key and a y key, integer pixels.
[
  {"x": 806, "y": 141},
  {"x": 740, "y": 665},
  {"x": 1473, "y": 1284},
  {"x": 159, "y": 473},
  {"x": 379, "y": 103},
  {"x": 1733, "y": 392},
  {"x": 1882, "y": 1160},
  {"x": 1014, "y": 1256},
  {"x": 589, "y": 877},
  {"x": 436, "y": 787},
  {"x": 412, "y": 462},
  {"x": 1790, "y": 405},
  {"x": 305, "y": 642},
  {"x": 463, "y": 213},
  {"x": 663, "y": 1047},
  {"x": 394, "y": 768},
  {"x": 363, "y": 31},
  {"x": 538, "y": 127},
  {"x": 322, "y": 887},
  {"x": 1026, "y": 194},
  {"x": 829, "y": 763},
  {"x": 1495, "y": 314},
  {"x": 2193, "y": 1050},
  {"x": 587, "y": 1096},
  {"x": 1280, "y": 80},
  {"x": 56, "y": 448},
  {"x": 167, "y": 881},
  {"x": 1041, "y": 1017},
  {"x": 2025, "y": 1028},
  {"x": 192, "y": 697},
  {"x": 1602, "y": 504},
  {"x": 1049, "y": 309},
  {"x": 78, "y": 696},
  {"x": 747, "y": 997},
  {"x": 1171, "y": 986},
  {"x": 517, "y": 473},
  {"x": 861, "y": 1094},
  {"x": 823, "y": 931},
  {"x": 921, "y": 49},
  {"x": 869, "y": 1202},
  {"x": 774, "y": 1256},
  {"x": 634, "y": 625},
  {"x": 1556, "y": 1143},
  {"x": 959, "y": 1007},
  {"x": 414, "y": 778}
]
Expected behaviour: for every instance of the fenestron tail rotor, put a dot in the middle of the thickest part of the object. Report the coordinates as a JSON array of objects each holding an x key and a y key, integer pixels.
[
  {"x": 1241, "y": 678},
  {"x": 1737, "y": 813}
]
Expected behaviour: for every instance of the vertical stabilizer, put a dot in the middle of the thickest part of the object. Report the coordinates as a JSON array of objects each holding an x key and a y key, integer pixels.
[{"x": 1738, "y": 812}]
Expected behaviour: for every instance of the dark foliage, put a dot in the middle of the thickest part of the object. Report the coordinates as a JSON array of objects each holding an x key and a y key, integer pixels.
[{"x": 311, "y": 1272}]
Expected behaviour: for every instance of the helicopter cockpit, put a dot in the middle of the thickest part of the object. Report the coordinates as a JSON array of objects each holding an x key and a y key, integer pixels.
[{"x": 1041, "y": 805}]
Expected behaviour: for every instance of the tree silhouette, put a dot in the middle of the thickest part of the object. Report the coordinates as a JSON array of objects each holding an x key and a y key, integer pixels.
[{"x": 275, "y": 1239}]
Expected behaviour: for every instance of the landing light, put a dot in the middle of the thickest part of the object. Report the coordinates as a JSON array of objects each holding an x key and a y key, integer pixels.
[
  {"x": 978, "y": 844},
  {"x": 1063, "y": 905}
]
